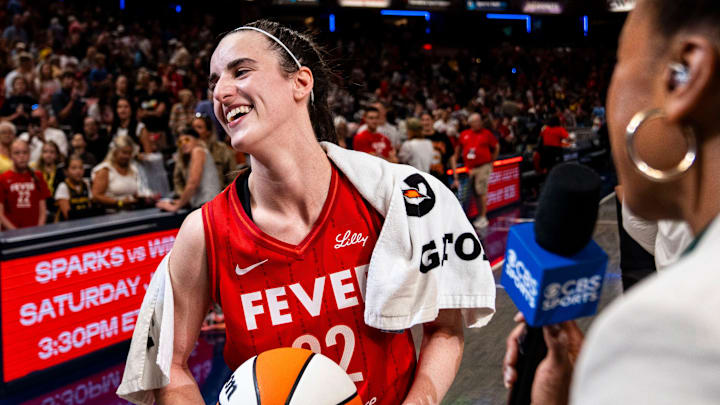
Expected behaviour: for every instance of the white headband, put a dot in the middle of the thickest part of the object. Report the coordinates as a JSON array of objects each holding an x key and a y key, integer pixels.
[{"x": 279, "y": 42}]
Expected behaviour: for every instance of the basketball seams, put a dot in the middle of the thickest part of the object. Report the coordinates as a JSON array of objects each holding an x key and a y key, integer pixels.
[
  {"x": 255, "y": 380},
  {"x": 297, "y": 379}
]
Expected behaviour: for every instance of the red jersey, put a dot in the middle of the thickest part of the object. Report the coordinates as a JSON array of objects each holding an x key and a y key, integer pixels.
[
  {"x": 20, "y": 195},
  {"x": 372, "y": 142},
  {"x": 309, "y": 295},
  {"x": 477, "y": 147},
  {"x": 553, "y": 136}
]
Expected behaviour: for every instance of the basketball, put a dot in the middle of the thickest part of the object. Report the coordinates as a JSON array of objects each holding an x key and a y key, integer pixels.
[{"x": 289, "y": 376}]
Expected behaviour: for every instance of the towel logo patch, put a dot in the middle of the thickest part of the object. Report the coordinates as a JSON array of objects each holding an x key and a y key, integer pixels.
[
  {"x": 419, "y": 197},
  {"x": 466, "y": 246}
]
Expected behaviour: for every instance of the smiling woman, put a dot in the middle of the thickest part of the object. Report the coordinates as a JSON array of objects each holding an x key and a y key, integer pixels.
[{"x": 305, "y": 230}]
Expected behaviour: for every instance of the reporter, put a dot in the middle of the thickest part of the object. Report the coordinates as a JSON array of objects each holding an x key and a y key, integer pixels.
[{"x": 658, "y": 343}]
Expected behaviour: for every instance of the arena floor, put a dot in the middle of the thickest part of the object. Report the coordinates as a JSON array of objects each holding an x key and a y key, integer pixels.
[{"x": 479, "y": 381}]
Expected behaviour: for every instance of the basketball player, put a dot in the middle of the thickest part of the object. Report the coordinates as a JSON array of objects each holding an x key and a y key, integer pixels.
[{"x": 281, "y": 247}]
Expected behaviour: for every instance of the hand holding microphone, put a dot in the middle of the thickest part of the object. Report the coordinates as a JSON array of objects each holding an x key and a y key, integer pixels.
[
  {"x": 551, "y": 383},
  {"x": 553, "y": 273}
]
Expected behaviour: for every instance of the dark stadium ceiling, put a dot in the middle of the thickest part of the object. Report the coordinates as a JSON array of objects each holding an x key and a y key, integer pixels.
[{"x": 572, "y": 7}]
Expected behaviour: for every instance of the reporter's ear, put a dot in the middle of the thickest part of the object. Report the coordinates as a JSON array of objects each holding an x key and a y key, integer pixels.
[{"x": 691, "y": 94}]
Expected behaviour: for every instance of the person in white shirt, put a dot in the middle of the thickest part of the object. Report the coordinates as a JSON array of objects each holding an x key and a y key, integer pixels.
[
  {"x": 39, "y": 132},
  {"x": 417, "y": 151}
]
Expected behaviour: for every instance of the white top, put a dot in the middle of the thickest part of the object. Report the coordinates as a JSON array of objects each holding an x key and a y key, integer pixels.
[
  {"x": 51, "y": 134},
  {"x": 124, "y": 131},
  {"x": 119, "y": 186},
  {"x": 666, "y": 240},
  {"x": 659, "y": 343},
  {"x": 63, "y": 192},
  {"x": 209, "y": 183},
  {"x": 418, "y": 153}
]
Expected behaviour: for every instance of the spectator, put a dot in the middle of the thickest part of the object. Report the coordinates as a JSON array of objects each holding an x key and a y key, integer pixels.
[
  {"x": 384, "y": 127},
  {"x": 205, "y": 107},
  {"x": 7, "y": 136},
  {"x": 97, "y": 139},
  {"x": 552, "y": 140},
  {"x": 125, "y": 123},
  {"x": 73, "y": 195},
  {"x": 45, "y": 83},
  {"x": 99, "y": 75},
  {"x": 223, "y": 155},
  {"x": 18, "y": 106},
  {"x": 40, "y": 132},
  {"x": 372, "y": 142},
  {"x": 115, "y": 180},
  {"x": 153, "y": 105},
  {"x": 24, "y": 61},
  {"x": 180, "y": 55},
  {"x": 22, "y": 191},
  {"x": 67, "y": 103},
  {"x": 182, "y": 113},
  {"x": 478, "y": 148},
  {"x": 50, "y": 166},
  {"x": 417, "y": 151},
  {"x": 16, "y": 32},
  {"x": 100, "y": 106},
  {"x": 441, "y": 144},
  {"x": 341, "y": 129},
  {"x": 79, "y": 148},
  {"x": 122, "y": 90},
  {"x": 196, "y": 177}
]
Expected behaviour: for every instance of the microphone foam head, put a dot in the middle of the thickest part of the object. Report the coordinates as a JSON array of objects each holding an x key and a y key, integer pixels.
[{"x": 567, "y": 209}]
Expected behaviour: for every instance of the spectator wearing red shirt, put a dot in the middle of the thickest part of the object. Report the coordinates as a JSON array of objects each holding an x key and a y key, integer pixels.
[
  {"x": 479, "y": 149},
  {"x": 372, "y": 142},
  {"x": 22, "y": 191},
  {"x": 552, "y": 139}
]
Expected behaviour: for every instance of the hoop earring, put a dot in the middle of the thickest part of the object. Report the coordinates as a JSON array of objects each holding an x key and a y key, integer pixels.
[{"x": 645, "y": 169}]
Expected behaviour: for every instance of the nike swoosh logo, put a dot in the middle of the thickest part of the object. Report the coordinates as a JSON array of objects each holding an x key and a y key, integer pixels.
[{"x": 240, "y": 271}]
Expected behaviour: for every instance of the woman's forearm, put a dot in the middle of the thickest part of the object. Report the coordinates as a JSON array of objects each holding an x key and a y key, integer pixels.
[{"x": 440, "y": 356}]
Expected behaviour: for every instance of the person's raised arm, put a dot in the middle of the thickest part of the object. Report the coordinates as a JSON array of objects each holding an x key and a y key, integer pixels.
[
  {"x": 440, "y": 356},
  {"x": 191, "y": 293}
]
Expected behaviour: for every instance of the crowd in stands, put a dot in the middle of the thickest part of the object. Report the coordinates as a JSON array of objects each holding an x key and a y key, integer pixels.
[{"x": 99, "y": 114}]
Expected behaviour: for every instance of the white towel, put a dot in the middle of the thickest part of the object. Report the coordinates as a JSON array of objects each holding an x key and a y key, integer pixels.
[
  {"x": 151, "y": 348},
  {"x": 398, "y": 294}
]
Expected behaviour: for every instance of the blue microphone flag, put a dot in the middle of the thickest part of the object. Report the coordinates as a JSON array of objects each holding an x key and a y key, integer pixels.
[{"x": 549, "y": 288}]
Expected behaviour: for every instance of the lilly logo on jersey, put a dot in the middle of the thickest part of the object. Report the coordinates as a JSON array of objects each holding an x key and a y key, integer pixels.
[{"x": 349, "y": 238}]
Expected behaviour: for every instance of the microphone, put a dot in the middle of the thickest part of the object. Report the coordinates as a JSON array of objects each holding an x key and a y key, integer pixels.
[{"x": 553, "y": 269}]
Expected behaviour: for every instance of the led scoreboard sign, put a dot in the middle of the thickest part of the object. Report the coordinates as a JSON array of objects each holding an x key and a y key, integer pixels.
[
  {"x": 62, "y": 305},
  {"x": 365, "y": 3}
]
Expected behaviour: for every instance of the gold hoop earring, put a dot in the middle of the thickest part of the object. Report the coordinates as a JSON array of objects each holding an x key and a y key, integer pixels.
[{"x": 643, "y": 167}]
